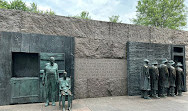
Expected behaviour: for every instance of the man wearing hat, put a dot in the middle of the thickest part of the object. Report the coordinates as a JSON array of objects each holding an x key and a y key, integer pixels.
[
  {"x": 145, "y": 80},
  {"x": 154, "y": 75},
  {"x": 163, "y": 78},
  {"x": 172, "y": 78},
  {"x": 65, "y": 90},
  {"x": 179, "y": 78}
]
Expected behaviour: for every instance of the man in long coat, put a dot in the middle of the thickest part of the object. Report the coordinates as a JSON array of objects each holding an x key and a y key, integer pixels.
[
  {"x": 145, "y": 80},
  {"x": 154, "y": 75},
  {"x": 172, "y": 78},
  {"x": 179, "y": 78},
  {"x": 163, "y": 78}
]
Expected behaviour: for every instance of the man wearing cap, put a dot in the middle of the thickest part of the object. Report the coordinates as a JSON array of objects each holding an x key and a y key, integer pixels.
[
  {"x": 172, "y": 78},
  {"x": 179, "y": 78},
  {"x": 145, "y": 80},
  {"x": 163, "y": 78},
  {"x": 65, "y": 90},
  {"x": 50, "y": 78},
  {"x": 154, "y": 75}
]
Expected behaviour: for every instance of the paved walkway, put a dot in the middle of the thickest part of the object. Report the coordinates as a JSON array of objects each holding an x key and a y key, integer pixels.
[{"x": 120, "y": 103}]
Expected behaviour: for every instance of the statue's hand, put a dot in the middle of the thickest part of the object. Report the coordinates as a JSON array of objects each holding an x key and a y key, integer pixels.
[{"x": 69, "y": 92}]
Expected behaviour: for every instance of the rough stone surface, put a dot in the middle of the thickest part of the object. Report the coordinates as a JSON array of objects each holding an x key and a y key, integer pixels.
[
  {"x": 100, "y": 77},
  {"x": 180, "y": 37},
  {"x": 159, "y": 35},
  {"x": 119, "y": 33},
  {"x": 186, "y": 81},
  {"x": 80, "y": 88},
  {"x": 139, "y": 33},
  {"x": 99, "y": 48},
  {"x": 186, "y": 52},
  {"x": 10, "y": 20},
  {"x": 117, "y": 86},
  {"x": 100, "y": 68}
]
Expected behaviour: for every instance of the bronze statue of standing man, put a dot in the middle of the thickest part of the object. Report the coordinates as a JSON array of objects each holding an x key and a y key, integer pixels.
[
  {"x": 163, "y": 78},
  {"x": 154, "y": 75},
  {"x": 50, "y": 79},
  {"x": 172, "y": 78},
  {"x": 145, "y": 80},
  {"x": 179, "y": 78}
]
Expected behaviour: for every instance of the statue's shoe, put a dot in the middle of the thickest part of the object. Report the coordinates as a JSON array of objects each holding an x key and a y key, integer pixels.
[
  {"x": 63, "y": 109},
  {"x": 156, "y": 97},
  {"x": 162, "y": 96},
  {"x": 180, "y": 95},
  {"x": 69, "y": 109},
  {"x": 53, "y": 103},
  {"x": 173, "y": 95},
  {"x": 147, "y": 98},
  {"x": 46, "y": 104}
]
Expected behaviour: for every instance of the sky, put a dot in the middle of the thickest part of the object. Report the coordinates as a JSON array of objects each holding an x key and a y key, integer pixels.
[{"x": 98, "y": 9}]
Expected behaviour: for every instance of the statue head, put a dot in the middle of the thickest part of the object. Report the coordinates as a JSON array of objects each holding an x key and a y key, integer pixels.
[
  {"x": 171, "y": 62},
  {"x": 164, "y": 61},
  {"x": 52, "y": 60},
  {"x": 146, "y": 61},
  {"x": 65, "y": 74},
  {"x": 155, "y": 63},
  {"x": 179, "y": 64}
]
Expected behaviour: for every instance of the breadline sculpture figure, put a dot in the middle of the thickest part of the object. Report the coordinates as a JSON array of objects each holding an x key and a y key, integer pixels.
[
  {"x": 145, "y": 80},
  {"x": 163, "y": 78},
  {"x": 179, "y": 78},
  {"x": 50, "y": 79},
  {"x": 172, "y": 78},
  {"x": 154, "y": 75}
]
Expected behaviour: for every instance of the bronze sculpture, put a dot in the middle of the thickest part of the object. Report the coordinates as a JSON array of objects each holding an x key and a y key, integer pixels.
[
  {"x": 145, "y": 80},
  {"x": 179, "y": 78},
  {"x": 154, "y": 75},
  {"x": 163, "y": 78},
  {"x": 172, "y": 78},
  {"x": 50, "y": 79},
  {"x": 65, "y": 90}
]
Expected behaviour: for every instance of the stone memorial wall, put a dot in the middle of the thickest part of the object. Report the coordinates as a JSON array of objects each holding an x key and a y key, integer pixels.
[{"x": 100, "y": 47}]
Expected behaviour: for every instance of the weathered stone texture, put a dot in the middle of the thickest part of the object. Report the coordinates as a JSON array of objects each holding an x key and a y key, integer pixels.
[
  {"x": 10, "y": 20},
  {"x": 100, "y": 77},
  {"x": 119, "y": 33},
  {"x": 186, "y": 67},
  {"x": 187, "y": 81},
  {"x": 139, "y": 33},
  {"x": 117, "y": 86},
  {"x": 186, "y": 52},
  {"x": 159, "y": 35},
  {"x": 100, "y": 68},
  {"x": 46, "y": 24},
  {"x": 80, "y": 88},
  {"x": 99, "y": 48},
  {"x": 180, "y": 37}
]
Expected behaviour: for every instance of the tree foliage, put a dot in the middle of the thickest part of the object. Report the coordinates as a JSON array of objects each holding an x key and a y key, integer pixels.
[
  {"x": 83, "y": 15},
  {"x": 20, "y": 5},
  {"x": 115, "y": 19},
  {"x": 161, "y": 13}
]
